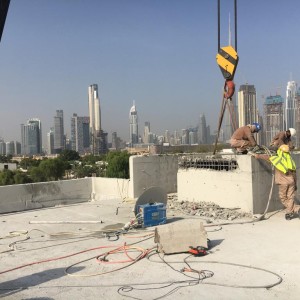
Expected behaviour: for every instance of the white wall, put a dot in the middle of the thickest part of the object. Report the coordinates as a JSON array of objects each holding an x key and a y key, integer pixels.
[
  {"x": 9, "y": 166},
  {"x": 38, "y": 195},
  {"x": 109, "y": 188}
]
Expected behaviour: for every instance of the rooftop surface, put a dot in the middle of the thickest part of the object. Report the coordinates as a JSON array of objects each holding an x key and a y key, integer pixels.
[{"x": 52, "y": 254}]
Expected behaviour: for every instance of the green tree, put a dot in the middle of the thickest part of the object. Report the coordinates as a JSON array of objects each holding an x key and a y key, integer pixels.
[
  {"x": 21, "y": 178},
  {"x": 86, "y": 171},
  {"x": 92, "y": 159},
  {"x": 53, "y": 169},
  {"x": 37, "y": 174},
  {"x": 118, "y": 164},
  {"x": 7, "y": 177},
  {"x": 5, "y": 158},
  {"x": 69, "y": 155},
  {"x": 27, "y": 163}
]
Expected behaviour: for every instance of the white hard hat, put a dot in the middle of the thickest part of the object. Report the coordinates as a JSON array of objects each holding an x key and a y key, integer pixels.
[{"x": 292, "y": 131}]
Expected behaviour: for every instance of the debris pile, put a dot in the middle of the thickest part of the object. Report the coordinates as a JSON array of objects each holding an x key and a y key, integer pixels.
[{"x": 206, "y": 210}]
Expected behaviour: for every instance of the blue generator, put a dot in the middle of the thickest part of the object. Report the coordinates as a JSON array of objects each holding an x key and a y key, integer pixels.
[{"x": 152, "y": 214}]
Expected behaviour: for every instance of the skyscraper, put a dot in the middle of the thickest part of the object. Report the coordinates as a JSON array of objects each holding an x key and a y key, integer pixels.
[
  {"x": 247, "y": 106},
  {"x": 80, "y": 134},
  {"x": 2, "y": 147},
  {"x": 202, "y": 130},
  {"x": 50, "y": 141},
  {"x": 10, "y": 148},
  {"x": 31, "y": 135},
  {"x": 290, "y": 104},
  {"x": 297, "y": 126},
  {"x": 59, "y": 136},
  {"x": 133, "y": 126},
  {"x": 146, "y": 132},
  {"x": 95, "y": 118},
  {"x": 273, "y": 117}
]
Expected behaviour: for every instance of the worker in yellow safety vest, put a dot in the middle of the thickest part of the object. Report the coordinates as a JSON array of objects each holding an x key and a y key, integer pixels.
[{"x": 285, "y": 178}]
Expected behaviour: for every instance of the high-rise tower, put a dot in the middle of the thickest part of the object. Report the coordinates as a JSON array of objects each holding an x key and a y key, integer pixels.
[
  {"x": 273, "y": 117},
  {"x": 80, "y": 136},
  {"x": 146, "y": 132},
  {"x": 31, "y": 135},
  {"x": 59, "y": 135},
  {"x": 290, "y": 104},
  {"x": 133, "y": 126},
  {"x": 247, "y": 106},
  {"x": 95, "y": 118},
  {"x": 202, "y": 130}
]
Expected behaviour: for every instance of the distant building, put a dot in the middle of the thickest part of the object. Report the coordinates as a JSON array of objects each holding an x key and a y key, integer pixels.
[
  {"x": 290, "y": 104},
  {"x": 202, "y": 130},
  {"x": 297, "y": 126},
  {"x": 50, "y": 141},
  {"x": 8, "y": 166},
  {"x": 80, "y": 134},
  {"x": 273, "y": 117},
  {"x": 192, "y": 137},
  {"x": 146, "y": 132},
  {"x": 31, "y": 135},
  {"x": 10, "y": 148},
  {"x": 17, "y": 148},
  {"x": 133, "y": 126},
  {"x": 95, "y": 119},
  {"x": 2, "y": 147},
  {"x": 247, "y": 106},
  {"x": 59, "y": 136},
  {"x": 115, "y": 141},
  {"x": 185, "y": 137},
  {"x": 167, "y": 136}
]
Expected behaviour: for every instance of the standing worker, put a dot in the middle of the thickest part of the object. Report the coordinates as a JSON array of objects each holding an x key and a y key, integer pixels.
[
  {"x": 285, "y": 178},
  {"x": 243, "y": 138},
  {"x": 283, "y": 138}
]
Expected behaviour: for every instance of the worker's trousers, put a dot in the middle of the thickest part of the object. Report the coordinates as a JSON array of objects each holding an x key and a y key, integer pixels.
[
  {"x": 287, "y": 196},
  {"x": 240, "y": 145}
]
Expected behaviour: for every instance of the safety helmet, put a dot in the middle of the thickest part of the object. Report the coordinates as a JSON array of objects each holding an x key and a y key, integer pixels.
[
  {"x": 292, "y": 131},
  {"x": 284, "y": 148},
  {"x": 257, "y": 126}
]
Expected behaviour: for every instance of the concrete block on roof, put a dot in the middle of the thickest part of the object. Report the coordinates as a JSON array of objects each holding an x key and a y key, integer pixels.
[{"x": 247, "y": 187}]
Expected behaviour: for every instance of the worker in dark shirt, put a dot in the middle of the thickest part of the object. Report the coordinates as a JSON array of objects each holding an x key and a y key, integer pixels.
[{"x": 283, "y": 138}]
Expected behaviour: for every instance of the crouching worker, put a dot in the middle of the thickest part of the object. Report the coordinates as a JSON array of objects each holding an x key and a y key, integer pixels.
[
  {"x": 285, "y": 177},
  {"x": 283, "y": 138},
  {"x": 243, "y": 138}
]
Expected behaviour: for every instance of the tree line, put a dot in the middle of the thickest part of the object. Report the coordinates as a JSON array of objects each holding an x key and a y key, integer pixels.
[{"x": 69, "y": 164}]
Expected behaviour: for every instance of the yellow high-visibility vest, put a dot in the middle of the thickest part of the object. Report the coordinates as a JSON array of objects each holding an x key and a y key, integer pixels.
[{"x": 283, "y": 161}]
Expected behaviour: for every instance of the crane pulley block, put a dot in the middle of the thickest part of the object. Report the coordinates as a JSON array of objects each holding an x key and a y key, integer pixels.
[{"x": 227, "y": 59}]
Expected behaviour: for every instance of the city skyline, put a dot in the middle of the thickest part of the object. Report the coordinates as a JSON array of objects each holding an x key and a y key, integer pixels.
[{"x": 159, "y": 53}]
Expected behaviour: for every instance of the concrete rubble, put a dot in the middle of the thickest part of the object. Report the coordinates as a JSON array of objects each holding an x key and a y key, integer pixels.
[{"x": 208, "y": 210}]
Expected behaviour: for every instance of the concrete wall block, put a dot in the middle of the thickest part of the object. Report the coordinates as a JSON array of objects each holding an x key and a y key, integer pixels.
[
  {"x": 37, "y": 195},
  {"x": 156, "y": 170},
  {"x": 110, "y": 188},
  {"x": 225, "y": 188},
  {"x": 247, "y": 187}
]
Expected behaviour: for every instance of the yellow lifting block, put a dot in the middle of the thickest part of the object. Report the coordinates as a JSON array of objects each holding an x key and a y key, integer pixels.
[{"x": 227, "y": 59}]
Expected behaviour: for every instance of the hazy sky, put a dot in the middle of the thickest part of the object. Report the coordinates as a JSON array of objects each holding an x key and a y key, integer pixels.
[{"x": 160, "y": 53}]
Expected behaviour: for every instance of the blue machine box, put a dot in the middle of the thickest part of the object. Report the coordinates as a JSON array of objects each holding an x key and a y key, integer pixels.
[{"x": 152, "y": 214}]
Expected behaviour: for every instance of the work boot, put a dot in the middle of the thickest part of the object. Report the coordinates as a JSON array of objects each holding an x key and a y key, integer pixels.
[{"x": 289, "y": 216}]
